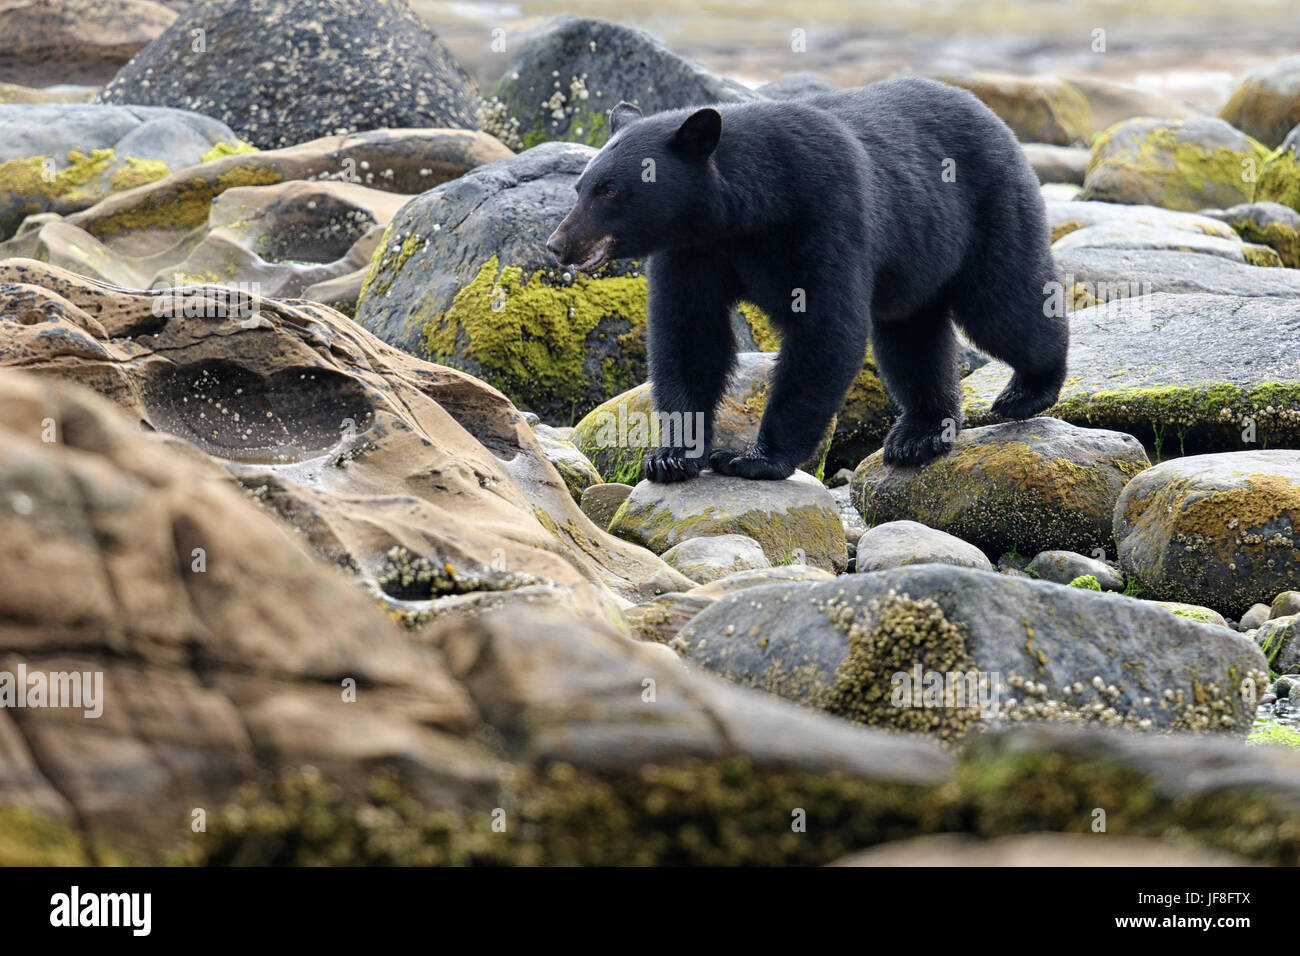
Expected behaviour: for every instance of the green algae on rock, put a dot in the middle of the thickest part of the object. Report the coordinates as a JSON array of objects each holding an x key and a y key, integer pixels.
[
  {"x": 1029, "y": 486},
  {"x": 1175, "y": 164},
  {"x": 796, "y": 521},
  {"x": 1213, "y": 530},
  {"x": 1022, "y": 650},
  {"x": 1183, "y": 373}
]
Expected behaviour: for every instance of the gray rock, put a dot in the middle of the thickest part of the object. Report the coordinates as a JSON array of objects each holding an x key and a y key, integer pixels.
[
  {"x": 1271, "y": 223},
  {"x": 707, "y": 559},
  {"x": 740, "y": 580},
  {"x": 316, "y": 68},
  {"x": 854, "y": 526},
  {"x": 1118, "y": 234},
  {"x": 1286, "y": 603},
  {"x": 1266, "y": 104},
  {"x": 1213, "y": 530},
  {"x": 898, "y": 544},
  {"x": 1279, "y": 639},
  {"x": 1062, "y": 567},
  {"x": 1065, "y": 217},
  {"x": 1193, "y": 612},
  {"x": 1181, "y": 372},
  {"x": 793, "y": 86},
  {"x": 1253, "y": 618},
  {"x": 75, "y": 41},
  {"x": 599, "y": 502},
  {"x": 1036, "y": 850},
  {"x": 1097, "y": 275},
  {"x": 795, "y": 520},
  {"x": 1057, "y": 164},
  {"x": 1028, "y": 486},
  {"x": 1114, "y": 102},
  {"x": 578, "y": 473},
  {"x": 850, "y": 645},
  {"x": 135, "y": 144},
  {"x": 565, "y": 78}
]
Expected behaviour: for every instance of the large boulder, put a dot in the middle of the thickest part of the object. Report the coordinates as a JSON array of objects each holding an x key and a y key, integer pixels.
[
  {"x": 75, "y": 41},
  {"x": 565, "y": 78},
  {"x": 1183, "y": 373},
  {"x": 1100, "y": 274},
  {"x": 1215, "y": 530},
  {"x": 1057, "y": 164},
  {"x": 463, "y": 278},
  {"x": 1039, "y": 109},
  {"x": 1266, "y": 103},
  {"x": 1066, "y": 216},
  {"x": 1113, "y": 103},
  {"x": 900, "y": 544},
  {"x": 795, "y": 520},
  {"x": 425, "y": 484},
  {"x": 1026, "y": 486},
  {"x": 282, "y": 72},
  {"x": 62, "y": 157},
  {"x": 868, "y": 647},
  {"x": 1182, "y": 164}
]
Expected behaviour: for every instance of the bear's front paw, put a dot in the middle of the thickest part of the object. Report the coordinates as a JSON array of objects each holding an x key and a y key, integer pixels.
[
  {"x": 672, "y": 464},
  {"x": 908, "y": 444},
  {"x": 749, "y": 464}
]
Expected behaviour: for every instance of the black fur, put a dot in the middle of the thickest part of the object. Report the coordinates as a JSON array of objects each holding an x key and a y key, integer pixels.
[{"x": 841, "y": 196}]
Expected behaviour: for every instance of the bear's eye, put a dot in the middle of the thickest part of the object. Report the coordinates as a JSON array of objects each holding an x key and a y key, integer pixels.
[{"x": 606, "y": 191}]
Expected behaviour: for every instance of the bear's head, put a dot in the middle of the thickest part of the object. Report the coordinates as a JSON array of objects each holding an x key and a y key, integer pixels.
[{"x": 643, "y": 191}]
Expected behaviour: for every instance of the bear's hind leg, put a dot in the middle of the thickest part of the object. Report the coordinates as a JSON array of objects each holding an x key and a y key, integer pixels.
[
  {"x": 1003, "y": 311},
  {"x": 917, "y": 360}
]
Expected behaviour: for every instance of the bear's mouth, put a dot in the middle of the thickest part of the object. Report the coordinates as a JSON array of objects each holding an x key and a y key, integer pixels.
[{"x": 598, "y": 257}]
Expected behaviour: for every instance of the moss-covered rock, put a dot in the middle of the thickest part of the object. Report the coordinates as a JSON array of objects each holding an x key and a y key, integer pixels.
[
  {"x": 886, "y": 648},
  {"x": 1180, "y": 164},
  {"x": 1266, "y": 103},
  {"x": 1213, "y": 530},
  {"x": 565, "y": 78},
  {"x": 1039, "y": 109},
  {"x": 1280, "y": 180},
  {"x": 1183, "y": 373},
  {"x": 64, "y": 157},
  {"x": 795, "y": 520},
  {"x": 617, "y": 434},
  {"x": 1028, "y": 486}
]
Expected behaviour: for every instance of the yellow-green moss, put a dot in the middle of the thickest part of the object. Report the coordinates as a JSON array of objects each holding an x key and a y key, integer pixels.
[
  {"x": 184, "y": 206},
  {"x": 529, "y": 336},
  {"x": 1271, "y": 734},
  {"x": 29, "y": 838},
  {"x": 223, "y": 149},
  {"x": 138, "y": 172},
  {"x": 77, "y": 182},
  {"x": 1280, "y": 180},
  {"x": 760, "y": 326},
  {"x": 1088, "y": 582}
]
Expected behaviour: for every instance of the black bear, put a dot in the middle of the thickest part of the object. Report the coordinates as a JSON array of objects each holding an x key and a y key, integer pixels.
[{"x": 879, "y": 214}]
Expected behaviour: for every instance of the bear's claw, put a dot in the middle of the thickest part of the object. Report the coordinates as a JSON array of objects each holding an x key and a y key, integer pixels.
[
  {"x": 671, "y": 464},
  {"x": 749, "y": 464}
]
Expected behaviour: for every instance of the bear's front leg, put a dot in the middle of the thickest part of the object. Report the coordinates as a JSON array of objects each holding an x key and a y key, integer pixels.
[
  {"x": 819, "y": 360},
  {"x": 692, "y": 352}
]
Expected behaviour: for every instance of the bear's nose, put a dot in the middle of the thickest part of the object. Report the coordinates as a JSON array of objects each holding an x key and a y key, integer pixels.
[{"x": 555, "y": 247}]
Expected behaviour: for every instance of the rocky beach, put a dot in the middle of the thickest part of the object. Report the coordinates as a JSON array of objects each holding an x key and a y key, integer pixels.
[{"x": 324, "y": 538}]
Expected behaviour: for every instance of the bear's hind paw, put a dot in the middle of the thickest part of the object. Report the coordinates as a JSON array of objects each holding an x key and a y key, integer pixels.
[{"x": 749, "y": 464}]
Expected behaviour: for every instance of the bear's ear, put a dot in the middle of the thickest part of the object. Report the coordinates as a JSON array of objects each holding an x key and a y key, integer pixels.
[
  {"x": 699, "y": 134},
  {"x": 622, "y": 115}
]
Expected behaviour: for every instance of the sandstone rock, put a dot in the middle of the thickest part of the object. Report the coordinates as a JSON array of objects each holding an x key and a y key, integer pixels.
[
  {"x": 600, "y": 502},
  {"x": 1181, "y": 372},
  {"x": 707, "y": 559},
  {"x": 424, "y": 483},
  {"x": 795, "y": 520},
  {"x": 282, "y": 72},
  {"x": 898, "y": 544},
  {"x": 1180, "y": 164},
  {"x": 1113, "y": 103},
  {"x": 863, "y": 645},
  {"x": 75, "y": 41},
  {"x": 573, "y": 466},
  {"x": 1028, "y": 486},
  {"x": 1213, "y": 530},
  {"x": 1057, "y": 164},
  {"x": 564, "y": 79},
  {"x": 1062, "y": 567}
]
